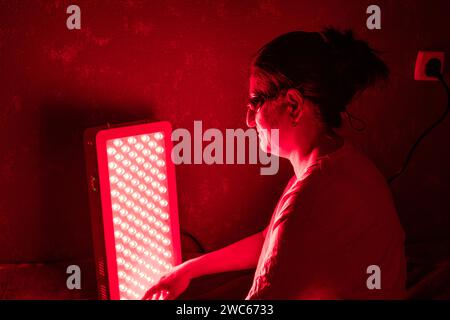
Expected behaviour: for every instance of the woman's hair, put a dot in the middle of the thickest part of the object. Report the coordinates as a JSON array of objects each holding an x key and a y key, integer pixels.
[{"x": 327, "y": 67}]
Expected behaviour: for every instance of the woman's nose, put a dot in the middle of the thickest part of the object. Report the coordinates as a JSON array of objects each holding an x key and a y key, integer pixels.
[{"x": 251, "y": 118}]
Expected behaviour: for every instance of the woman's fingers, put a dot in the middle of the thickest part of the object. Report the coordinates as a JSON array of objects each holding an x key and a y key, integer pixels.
[
  {"x": 158, "y": 294},
  {"x": 147, "y": 295},
  {"x": 168, "y": 295},
  {"x": 152, "y": 291}
]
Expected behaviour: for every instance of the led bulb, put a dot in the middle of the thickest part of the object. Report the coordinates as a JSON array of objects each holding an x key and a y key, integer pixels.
[
  {"x": 137, "y": 209},
  {"x": 162, "y": 189},
  {"x": 113, "y": 179},
  {"x": 123, "y": 212},
  {"x": 119, "y": 157},
  {"x": 141, "y": 173},
  {"x": 128, "y": 190},
  {"x": 138, "y": 224},
  {"x": 115, "y": 193},
  {"x": 132, "y": 140},
  {"x": 147, "y": 179},
  {"x": 117, "y": 142},
  {"x": 132, "y": 154},
  {"x": 158, "y": 136},
  {"x": 136, "y": 195},
  {"x": 163, "y": 203},
  {"x": 160, "y": 163},
  {"x": 111, "y": 151},
  {"x": 144, "y": 214},
  {"x": 147, "y": 166},
  {"x": 112, "y": 165},
  {"x": 155, "y": 184},
  {"x": 140, "y": 160},
  {"x": 157, "y": 211},
  {"x": 126, "y": 162}
]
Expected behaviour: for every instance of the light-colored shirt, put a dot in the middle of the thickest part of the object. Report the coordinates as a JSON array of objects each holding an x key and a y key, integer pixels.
[{"x": 327, "y": 229}]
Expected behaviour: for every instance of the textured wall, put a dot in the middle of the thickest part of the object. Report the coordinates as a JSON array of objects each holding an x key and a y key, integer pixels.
[{"x": 183, "y": 61}]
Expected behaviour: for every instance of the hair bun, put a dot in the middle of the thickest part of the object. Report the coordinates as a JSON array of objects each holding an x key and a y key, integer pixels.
[{"x": 354, "y": 64}]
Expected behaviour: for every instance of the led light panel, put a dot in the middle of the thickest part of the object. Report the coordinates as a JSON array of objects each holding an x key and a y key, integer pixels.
[{"x": 139, "y": 208}]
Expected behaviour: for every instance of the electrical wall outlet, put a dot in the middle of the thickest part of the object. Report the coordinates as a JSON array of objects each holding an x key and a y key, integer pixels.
[{"x": 422, "y": 59}]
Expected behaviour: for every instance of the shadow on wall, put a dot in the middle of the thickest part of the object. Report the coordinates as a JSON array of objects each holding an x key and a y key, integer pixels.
[{"x": 64, "y": 212}]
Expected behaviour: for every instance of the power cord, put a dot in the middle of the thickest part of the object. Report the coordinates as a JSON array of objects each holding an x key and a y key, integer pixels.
[
  {"x": 432, "y": 69},
  {"x": 194, "y": 239}
]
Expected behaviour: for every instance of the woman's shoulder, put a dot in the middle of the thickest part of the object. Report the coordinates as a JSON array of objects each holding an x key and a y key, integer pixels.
[
  {"x": 345, "y": 176},
  {"x": 350, "y": 166}
]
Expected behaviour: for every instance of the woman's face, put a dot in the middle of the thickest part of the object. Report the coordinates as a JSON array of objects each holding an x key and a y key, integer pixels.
[{"x": 271, "y": 116}]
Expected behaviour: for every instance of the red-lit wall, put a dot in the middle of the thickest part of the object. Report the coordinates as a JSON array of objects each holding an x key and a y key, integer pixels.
[{"x": 183, "y": 61}]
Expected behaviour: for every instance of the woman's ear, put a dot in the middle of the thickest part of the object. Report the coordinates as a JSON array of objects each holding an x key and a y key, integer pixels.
[{"x": 295, "y": 102}]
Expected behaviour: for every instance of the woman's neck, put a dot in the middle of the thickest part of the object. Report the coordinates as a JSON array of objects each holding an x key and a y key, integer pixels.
[{"x": 308, "y": 152}]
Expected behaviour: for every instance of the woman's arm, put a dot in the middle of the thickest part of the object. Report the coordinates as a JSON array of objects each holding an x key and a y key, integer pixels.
[
  {"x": 240, "y": 255},
  {"x": 243, "y": 254}
]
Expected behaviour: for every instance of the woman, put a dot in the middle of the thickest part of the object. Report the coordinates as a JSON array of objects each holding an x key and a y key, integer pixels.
[{"x": 334, "y": 233}]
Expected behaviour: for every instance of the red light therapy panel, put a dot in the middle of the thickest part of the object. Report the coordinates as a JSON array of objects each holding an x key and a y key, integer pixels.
[{"x": 139, "y": 207}]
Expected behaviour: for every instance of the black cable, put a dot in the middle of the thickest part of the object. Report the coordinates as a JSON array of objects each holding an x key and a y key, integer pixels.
[
  {"x": 351, "y": 117},
  {"x": 431, "y": 72},
  {"x": 194, "y": 239}
]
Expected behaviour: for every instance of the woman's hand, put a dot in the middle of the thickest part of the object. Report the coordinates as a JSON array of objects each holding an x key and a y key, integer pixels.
[{"x": 171, "y": 285}]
